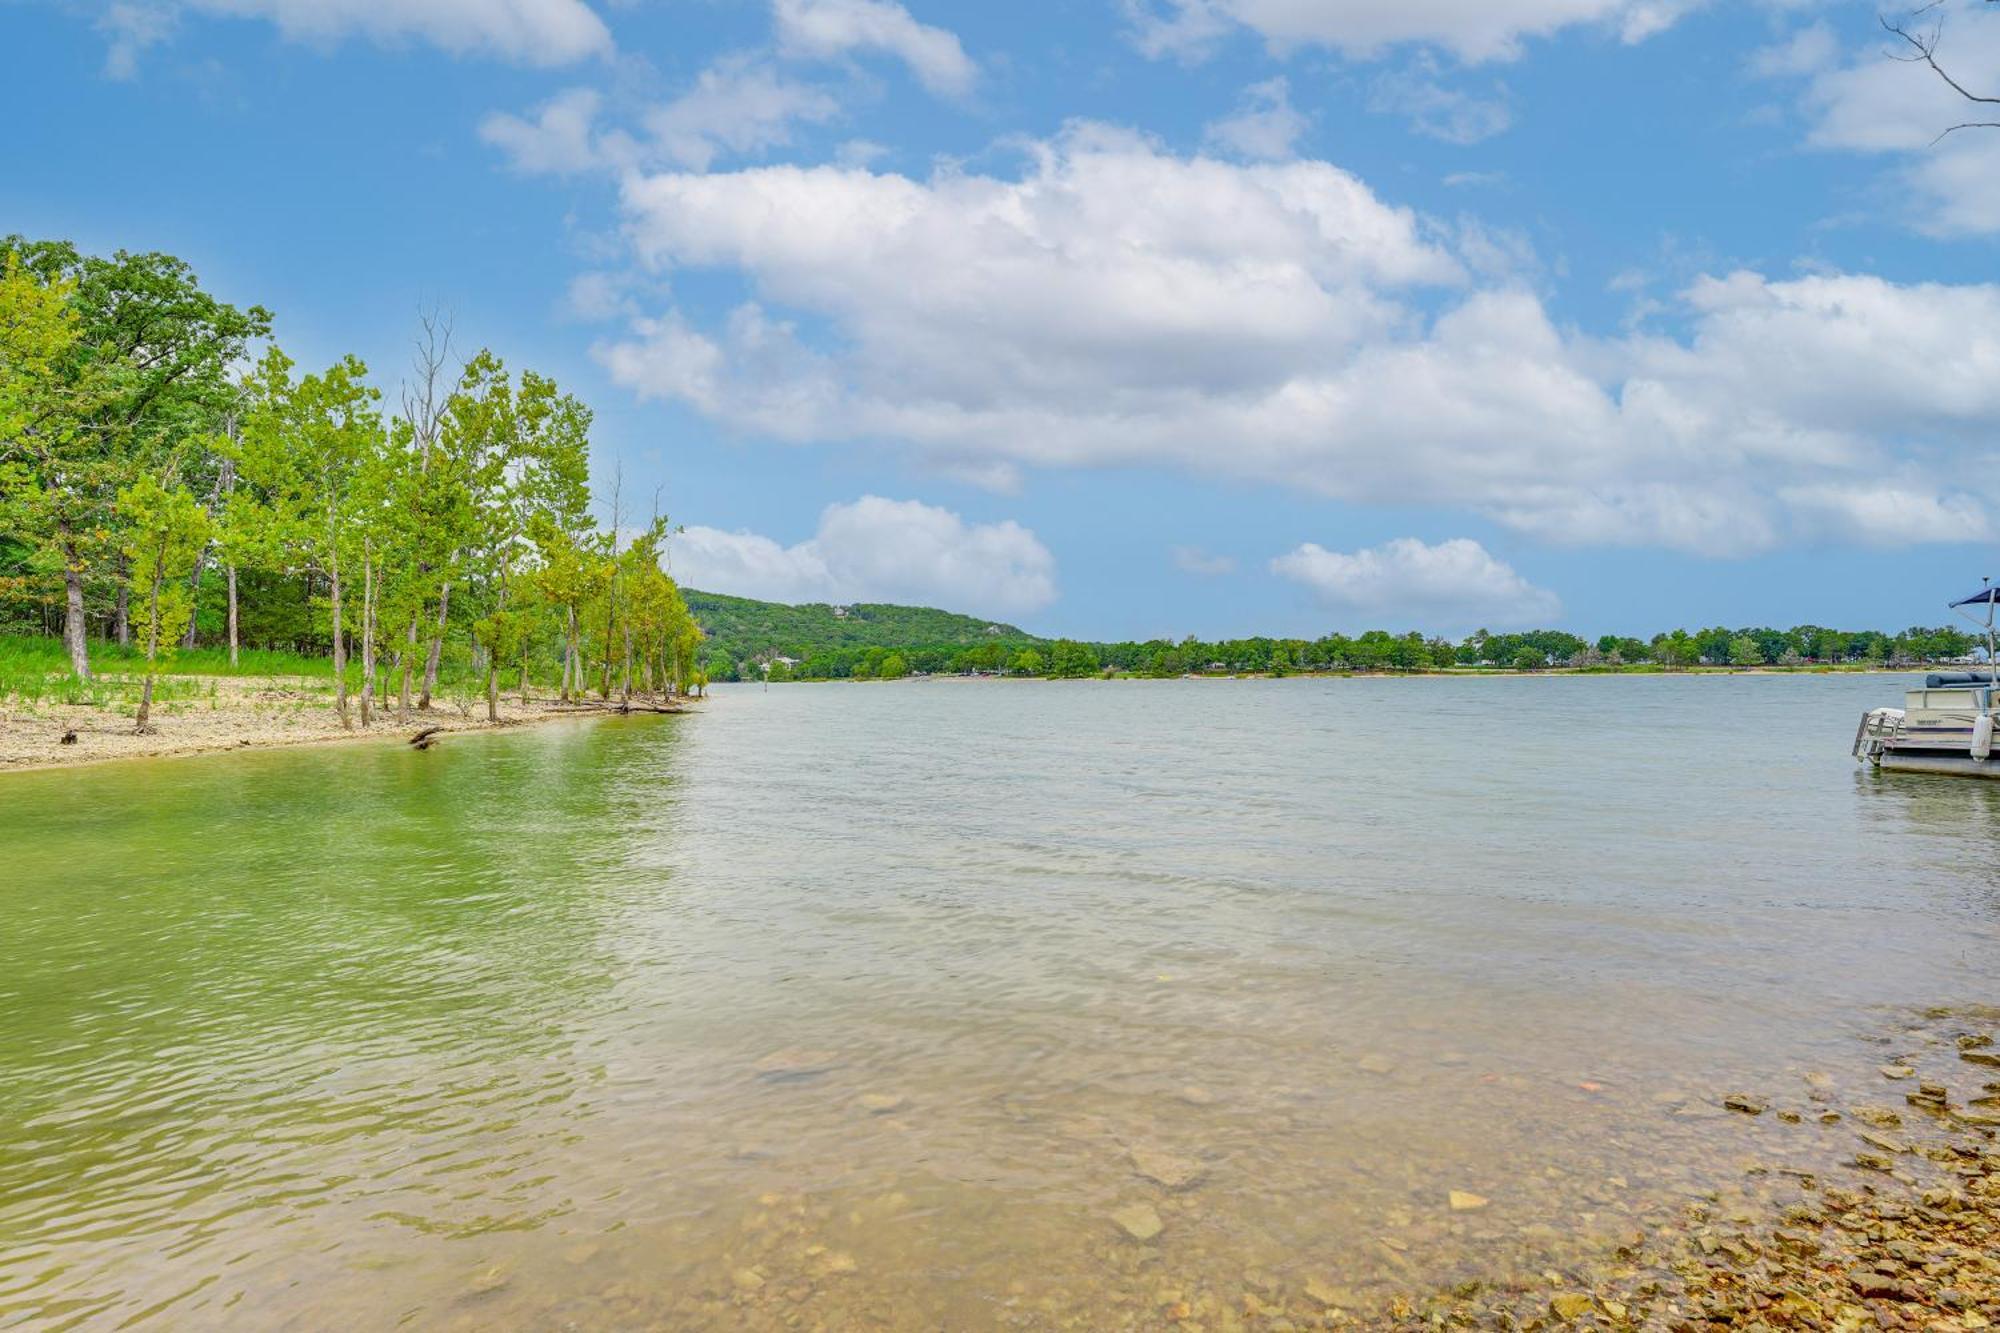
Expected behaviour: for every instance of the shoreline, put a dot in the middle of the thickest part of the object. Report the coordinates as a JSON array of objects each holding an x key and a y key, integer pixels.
[
  {"x": 1464, "y": 673},
  {"x": 1902, "y": 1232},
  {"x": 232, "y": 714}
]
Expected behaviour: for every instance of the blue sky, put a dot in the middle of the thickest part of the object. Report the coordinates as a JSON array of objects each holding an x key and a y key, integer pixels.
[{"x": 1128, "y": 317}]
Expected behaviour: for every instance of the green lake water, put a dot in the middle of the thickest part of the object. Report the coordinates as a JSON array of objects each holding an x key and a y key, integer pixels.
[{"x": 878, "y": 1006}]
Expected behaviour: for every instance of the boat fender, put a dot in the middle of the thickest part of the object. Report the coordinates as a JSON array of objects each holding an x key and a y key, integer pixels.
[{"x": 1982, "y": 736}]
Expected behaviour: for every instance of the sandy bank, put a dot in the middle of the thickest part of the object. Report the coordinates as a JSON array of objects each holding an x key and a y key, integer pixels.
[{"x": 228, "y": 713}]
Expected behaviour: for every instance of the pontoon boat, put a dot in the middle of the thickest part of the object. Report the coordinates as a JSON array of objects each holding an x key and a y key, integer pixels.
[{"x": 1946, "y": 726}]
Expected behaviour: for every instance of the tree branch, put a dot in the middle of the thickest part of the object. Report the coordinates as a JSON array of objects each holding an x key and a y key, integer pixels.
[{"x": 1925, "y": 48}]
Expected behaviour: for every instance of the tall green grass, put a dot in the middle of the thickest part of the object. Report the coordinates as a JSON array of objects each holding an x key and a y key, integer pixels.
[
  {"x": 34, "y": 669},
  {"x": 39, "y": 653}
]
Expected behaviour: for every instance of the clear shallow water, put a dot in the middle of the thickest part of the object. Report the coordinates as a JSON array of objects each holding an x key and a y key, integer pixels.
[{"x": 870, "y": 1006}]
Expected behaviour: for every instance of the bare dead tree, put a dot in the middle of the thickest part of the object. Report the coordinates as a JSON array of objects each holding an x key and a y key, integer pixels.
[
  {"x": 1922, "y": 38},
  {"x": 425, "y": 394}
]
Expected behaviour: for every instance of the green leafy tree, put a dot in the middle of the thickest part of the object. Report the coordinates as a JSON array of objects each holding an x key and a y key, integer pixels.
[
  {"x": 140, "y": 363},
  {"x": 1070, "y": 660},
  {"x": 308, "y": 445},
  {"x": 165, "y": 532}
]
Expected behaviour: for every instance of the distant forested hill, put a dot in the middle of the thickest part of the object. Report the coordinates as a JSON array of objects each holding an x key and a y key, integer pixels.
[{"x": 741, "y": 630}]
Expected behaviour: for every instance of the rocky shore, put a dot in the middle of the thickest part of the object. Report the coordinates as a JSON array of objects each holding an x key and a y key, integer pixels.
[
  {"x": 1866, "y": 1200},
  {"x": 1905, "y": 1234}
]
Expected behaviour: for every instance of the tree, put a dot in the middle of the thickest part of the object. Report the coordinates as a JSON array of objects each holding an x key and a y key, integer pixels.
[
  {"x": 1529, "y": 660},
  {"x": 893, "y": 667},
  {"x": 1745, "y": 651},
  {"x": 1027, "y": 662},
  {"x": 166, "y": 530},
  {"x": 1070, "y": 660},
  {"x": 140, "y": 363},
  {"x": 308, "y": 445},
  {"x": 504, "y": 635}
]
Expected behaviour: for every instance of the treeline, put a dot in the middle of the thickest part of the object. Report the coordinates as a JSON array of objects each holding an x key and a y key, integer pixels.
[
  {"x": 840, "y": 641},
  {"x": 168, "y": 476},
  {"x": 1063, "y": 657},
  {"x": 1379, "y": 650}
]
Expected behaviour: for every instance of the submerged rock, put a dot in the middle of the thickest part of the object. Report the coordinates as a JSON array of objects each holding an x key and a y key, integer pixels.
[
  {"x": 1167, "y": 1169},
  {"x": 1743, "y": 1102},
  {"x": 794, "y": 1063},
  {"x": 1327, "y": 1295},
  {"x": 881, "y": 1103},
  {"x": 1464, "y": 1201},
  {"x": 1571, "y": 1305},
  {"x": 1139, "y": 1221}
]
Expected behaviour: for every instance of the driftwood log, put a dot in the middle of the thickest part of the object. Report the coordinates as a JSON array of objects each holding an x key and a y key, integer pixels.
[
  {"x": 425, "y": 739},
  {"x": 633, "y": 707}
]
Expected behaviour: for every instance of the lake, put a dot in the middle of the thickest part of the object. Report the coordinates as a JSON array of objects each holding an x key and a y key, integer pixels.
[{"x": 950, "y": 1004}]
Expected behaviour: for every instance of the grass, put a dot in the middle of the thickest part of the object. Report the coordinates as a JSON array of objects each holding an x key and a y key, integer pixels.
[{"x": 34, "y": 670}]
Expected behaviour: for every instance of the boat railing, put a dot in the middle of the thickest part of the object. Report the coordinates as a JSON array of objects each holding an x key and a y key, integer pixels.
[{"x": 1880, "y": 729}]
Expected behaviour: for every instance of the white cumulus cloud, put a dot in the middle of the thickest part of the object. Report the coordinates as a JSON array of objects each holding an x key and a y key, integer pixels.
[
  {"x": 558, "y": 141},
  {"x": 1891, "y": 515},
  {"x": 1264, "y": 126},
  {"x": 1117, "y": 305},
  {"x": 1472, "y": 30},
  {"x": 877, "y": 550},
  {"x": 1455, "y": 583},
  {"x": 1438, "y": 110},
  {"x": 528, "y": 32},
  {"x": 739, "y": 105},
  {"x": 829, "y": 29}
]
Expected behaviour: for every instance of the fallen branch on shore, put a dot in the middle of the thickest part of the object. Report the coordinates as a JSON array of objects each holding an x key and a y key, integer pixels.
[{"x": 623, "y": 706}]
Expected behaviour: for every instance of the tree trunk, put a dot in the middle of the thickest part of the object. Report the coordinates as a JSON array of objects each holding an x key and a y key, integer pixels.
[
  {"x": 492, "y": 690},
  {"x": 436, "y": 649},
  {"x": 121, "y": 621},
  {"x": 569, "y": 655},
  {"x": 367, "y": 636},
  {"x": 405, "y": 660},
  {"x": 79, "y": 650},
  {"x": 610, "y": 625},
  {"x": 339, "y": 648},
  {"x": 524, "y": 679},
  {"x": 626, "y": 691},
  {"x": 194, "y": 601},
  {"x": 225, "y": 477},
  {"x": 152, "y": 654},
  {"x": 232, "y": 613}
]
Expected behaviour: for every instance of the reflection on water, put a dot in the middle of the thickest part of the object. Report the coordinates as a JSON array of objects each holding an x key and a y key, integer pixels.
[{"x": 964, "y": 1004}]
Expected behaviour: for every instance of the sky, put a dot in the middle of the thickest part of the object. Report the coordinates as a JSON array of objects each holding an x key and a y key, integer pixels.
[{"x": 1129, "y": 318}]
